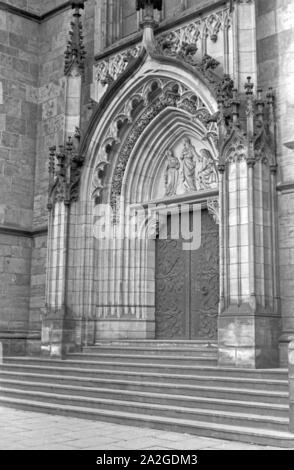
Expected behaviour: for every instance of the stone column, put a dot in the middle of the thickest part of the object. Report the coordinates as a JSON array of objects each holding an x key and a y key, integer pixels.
[
  {"x": 249, "y": 320},
  {"x": 53, "y": 319},
  {"x": 291, "y": 383}
]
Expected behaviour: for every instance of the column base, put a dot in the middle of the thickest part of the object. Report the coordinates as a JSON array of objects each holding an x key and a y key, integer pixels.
[
  {"x": 58, "y": 334},
  {"x": 284, "y": 342},
  {"x": 248, "y": 340}
]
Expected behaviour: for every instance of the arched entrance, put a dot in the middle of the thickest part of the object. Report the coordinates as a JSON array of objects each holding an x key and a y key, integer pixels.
[
  {"x": 156, "y": 151},
  {"x": 151, "y": 146}
]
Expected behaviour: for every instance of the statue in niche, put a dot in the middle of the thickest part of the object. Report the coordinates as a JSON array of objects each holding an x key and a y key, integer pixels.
[
  {"x": 206, "y": 172},
  {"x": 171, "y": 173},
  {"x": 189, "y": 159}
]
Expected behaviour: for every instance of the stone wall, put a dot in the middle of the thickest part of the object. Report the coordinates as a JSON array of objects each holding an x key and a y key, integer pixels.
[
  {"x": 275, "y": 56},
  {"x": 18, "y": 124},
  {"x": 32, "y": 115}
]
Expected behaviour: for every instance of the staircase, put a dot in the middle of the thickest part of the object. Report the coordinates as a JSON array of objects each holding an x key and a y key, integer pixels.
[{"x": 170, "y": 385}]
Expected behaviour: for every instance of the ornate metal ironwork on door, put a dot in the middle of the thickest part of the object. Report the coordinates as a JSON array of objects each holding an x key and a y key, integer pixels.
[{"x": 187, "y": 286}]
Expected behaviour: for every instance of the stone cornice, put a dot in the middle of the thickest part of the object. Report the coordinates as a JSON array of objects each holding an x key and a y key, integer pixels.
[
  {"x": 286, "y": 187},
  {"x": 33, "y": 16},
  {"x": 20, "y": 335},
  {"x": 18, "y": 232}
]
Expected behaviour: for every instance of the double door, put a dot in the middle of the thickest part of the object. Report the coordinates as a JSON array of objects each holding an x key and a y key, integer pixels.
[{"x": 187, "y": 285}]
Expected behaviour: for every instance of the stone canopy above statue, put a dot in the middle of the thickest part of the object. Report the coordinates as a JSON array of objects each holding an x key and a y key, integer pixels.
[
  {"x": 157, "y": 4},
  {"x": 187, "y": 166}
]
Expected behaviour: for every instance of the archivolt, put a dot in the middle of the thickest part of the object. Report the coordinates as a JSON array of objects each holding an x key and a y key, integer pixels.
[{"x": 134, "y": 116}]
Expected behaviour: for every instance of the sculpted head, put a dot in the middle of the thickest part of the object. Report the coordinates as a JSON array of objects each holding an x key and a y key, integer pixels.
[
  {"x": 168, "y": 153},
  {"x": 187, "y": 142}
]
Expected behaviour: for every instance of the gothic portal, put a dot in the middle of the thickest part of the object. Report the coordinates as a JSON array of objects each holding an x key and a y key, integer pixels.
[
  {"x": 172, "y": 149},
  {"x": 170, "y": 208}
]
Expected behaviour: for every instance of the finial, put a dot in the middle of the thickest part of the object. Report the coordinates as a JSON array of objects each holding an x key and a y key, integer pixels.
[{"x": 75, "y": 50}]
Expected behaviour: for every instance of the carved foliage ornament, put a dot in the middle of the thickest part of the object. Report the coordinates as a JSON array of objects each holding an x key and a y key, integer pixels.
[{"x": 181, "y": 43}]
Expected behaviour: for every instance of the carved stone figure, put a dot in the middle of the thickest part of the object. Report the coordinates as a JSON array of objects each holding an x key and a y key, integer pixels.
[
  {"x": 189, "y": 158},
  {"x": 206, "y": 173},
  {"x": 171, "y": 173}
]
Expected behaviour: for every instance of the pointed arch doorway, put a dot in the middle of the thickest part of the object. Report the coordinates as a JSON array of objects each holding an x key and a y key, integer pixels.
[{"x": 153, "y": 113}]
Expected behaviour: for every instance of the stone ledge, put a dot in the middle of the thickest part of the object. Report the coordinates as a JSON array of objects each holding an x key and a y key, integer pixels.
[
  {"x": 33, "y": 16},
  {"x": 18, "y": 232},
  {"x": 21, "y": 334},
  {"x": 285, "y": 188}
]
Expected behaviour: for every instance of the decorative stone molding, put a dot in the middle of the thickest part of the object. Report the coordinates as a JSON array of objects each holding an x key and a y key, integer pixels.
[
  {"x": 182, "y": 40},
  {"x": 216, "y": 22},
  {"x": 109, "y": 70},
  {"x": 64, "y": 173},
  {"x": 75, "y": 51},
  {"x": 156, "y": 95},
  {"x": 253, "y": 141},
  {"x": 182, "y": 43}
]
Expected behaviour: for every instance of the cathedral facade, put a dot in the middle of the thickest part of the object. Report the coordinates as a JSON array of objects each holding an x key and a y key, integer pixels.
[{"x": 147, "y": 176}]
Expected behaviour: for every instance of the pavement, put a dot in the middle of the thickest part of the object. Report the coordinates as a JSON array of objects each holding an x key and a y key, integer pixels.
[{"x": 26, "y": 430}]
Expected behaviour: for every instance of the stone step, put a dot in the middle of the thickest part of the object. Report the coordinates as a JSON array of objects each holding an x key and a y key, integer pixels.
[
  {"x": 152, "y": 350},
  {"x": 116, "y": 362},
  {"x": 269, "y": 374},
  {"x": 159, "y": 373},
  {"x": 247, "y": 407},
  {"x": 137, "y": 384},
  {"x": 155, "y": 344},
  {"x": 249, "y": 434},
  {"x": 199, "y": 414},
  {"x": 146, "y": 356}
]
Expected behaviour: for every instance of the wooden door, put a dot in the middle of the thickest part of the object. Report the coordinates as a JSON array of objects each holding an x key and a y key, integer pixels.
[{"x": 187, "y": 286}]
